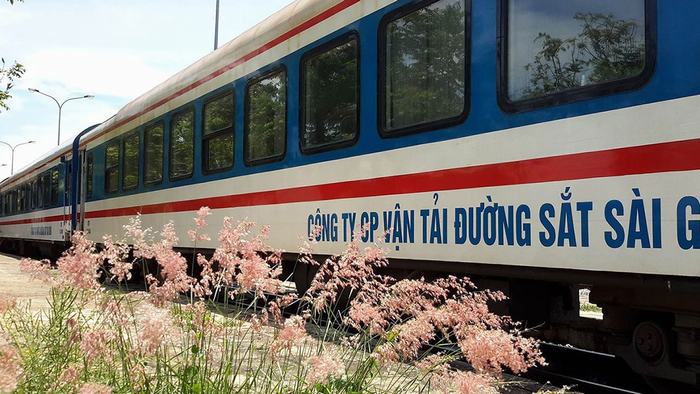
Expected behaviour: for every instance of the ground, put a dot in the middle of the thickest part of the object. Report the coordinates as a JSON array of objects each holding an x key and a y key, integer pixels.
[{"x": 14, "y": 283}]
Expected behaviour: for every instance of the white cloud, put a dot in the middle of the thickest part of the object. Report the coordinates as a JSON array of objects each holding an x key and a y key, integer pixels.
[
  {"x": 114, "y": 50},
  {"x": 91, "y": 71}
]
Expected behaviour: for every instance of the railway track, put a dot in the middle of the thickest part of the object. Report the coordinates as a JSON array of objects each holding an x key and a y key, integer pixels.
[{"x": 587, "y": 371}]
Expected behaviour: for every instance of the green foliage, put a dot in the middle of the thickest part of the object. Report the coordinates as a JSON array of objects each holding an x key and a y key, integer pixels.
[
  {"x": 153, "y": 162},
  {"x": 182, "y": 145},
  {"x": 267, "y": 107},
  {"x": 426, "y": 65},
  {"x": 606, "y": 49},
  {"x": 8, "y": 74},
  {"x": 131, "y": 161},
  {"x": 330, "y": 103}
]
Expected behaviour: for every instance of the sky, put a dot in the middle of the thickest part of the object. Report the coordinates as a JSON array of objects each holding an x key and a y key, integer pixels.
[{"x": 115, "y": 50}]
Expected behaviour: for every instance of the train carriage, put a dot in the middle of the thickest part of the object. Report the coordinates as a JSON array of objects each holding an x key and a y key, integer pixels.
[{"x": 535, "y": 145}]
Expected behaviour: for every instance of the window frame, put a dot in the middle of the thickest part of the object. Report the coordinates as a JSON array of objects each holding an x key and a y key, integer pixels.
[
  {"x": 146, "y": 128},
  {"x": 310, "y": 54},
  {"x": 381, "y": 73},
  {"x": 171, "y": 129},
  {"x": 117, "y": 142},
  {"x": 123, "y": 158},
  {"x": 574, "y": 94},
  {"x": 246, "y": 115},
  {"x": 218, "y": 133}
]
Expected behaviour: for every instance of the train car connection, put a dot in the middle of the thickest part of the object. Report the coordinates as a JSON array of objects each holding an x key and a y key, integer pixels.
[{"x": 537, "y": 146}]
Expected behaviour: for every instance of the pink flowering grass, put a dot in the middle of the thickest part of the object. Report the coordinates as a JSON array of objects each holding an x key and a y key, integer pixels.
[{"x": 356, "y": 330}]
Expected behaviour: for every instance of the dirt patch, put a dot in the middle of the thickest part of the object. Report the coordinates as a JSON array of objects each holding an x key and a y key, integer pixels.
[{"x": 17, "y": 284}]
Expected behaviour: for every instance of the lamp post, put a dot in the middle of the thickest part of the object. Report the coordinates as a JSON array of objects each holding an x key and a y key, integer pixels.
[
  {"x": 12, "y": 148},
  {"x": 60, "y": 106},
  {"x": 216, "y": 26}
]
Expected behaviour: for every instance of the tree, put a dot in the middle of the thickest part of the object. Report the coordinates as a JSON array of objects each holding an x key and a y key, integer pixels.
[
  {"x": 7, "y": 77},
  {"x": 606, "y": 49}
]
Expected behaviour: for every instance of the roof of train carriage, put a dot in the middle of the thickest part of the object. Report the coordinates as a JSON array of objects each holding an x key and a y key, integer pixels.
[{"x": 274, "y": 30}]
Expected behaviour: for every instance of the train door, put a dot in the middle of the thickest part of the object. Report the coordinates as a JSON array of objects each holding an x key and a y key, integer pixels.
[
  {"x": 67, "y": 176},
  {"x": 83, "y": 189}
]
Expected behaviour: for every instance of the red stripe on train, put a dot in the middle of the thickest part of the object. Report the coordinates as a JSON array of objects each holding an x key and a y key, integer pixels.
[
  {"x": 666, "y": 157},
  {"x": 646, "y": 159},
  {"x": 46, "y": 219}
]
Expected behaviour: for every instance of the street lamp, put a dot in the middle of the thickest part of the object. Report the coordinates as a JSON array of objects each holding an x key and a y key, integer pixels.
[
  {"x": 12, "y": 148},
  {"x": 216, "y": 26},
  {"x": 60, "y": 107}
]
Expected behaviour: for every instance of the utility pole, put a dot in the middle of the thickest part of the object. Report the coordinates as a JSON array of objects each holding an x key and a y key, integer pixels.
[{"x": 216, "y": 26}]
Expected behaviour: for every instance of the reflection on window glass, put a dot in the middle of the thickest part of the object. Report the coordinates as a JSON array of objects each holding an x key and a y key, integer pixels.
[
  {"x": 112, "y": 167},
  {"x": 219, "y": 152},
  {"x": 54, "y": 187},
  {"x": 218, "y": 133},
  {"x": 153, "y": 148},
  {"x": 34, "y": 194},
  {"x": 182, "y": 145},
  {"x": 425, "y": 65},
  {"x": 45, "y": 186},
  {"x": 558, "y": 45},
  {"x": 89, "y": 173},
  {"x": 218, "y": 114},
  {"x": 131, "y": 161},
  {"x": 266, "y": 117},
  {"x": 330, "y": 96}
]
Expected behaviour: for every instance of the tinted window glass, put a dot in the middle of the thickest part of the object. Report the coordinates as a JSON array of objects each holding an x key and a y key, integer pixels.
[
  {"x": 112, "y": 167},
  {"x": 218, "y": 133},
  {"x": 425, "y": 65},
  {"x": 89, "y": 174},
  {"x": 219, "y": 152},
  {"x": 35, "y": 195},
  {"x": 218, "y": 114},
  {"x": 330, "y": 96},
  {"x": 153, "y": 147},
  {"x": 554, "y": 46},
  {"x": 266, "y": 117},
  {"x": 131, "y": 161},
  {"x": 54, "y": 187},
  {"x": 182, "y": 145},
  {"x": 45, "y": 185}
]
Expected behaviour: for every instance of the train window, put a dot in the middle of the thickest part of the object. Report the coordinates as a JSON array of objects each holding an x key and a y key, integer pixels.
[
  {"x": 217, "y": 134},
  {"x": 22, "y": 198},
  {"x": 130, "y": 175},
  {"x": 557, "y": 52},
  {"x": 153, "y": 161},
  {"x": 43, "y": 191},
  {"x": 330, "y": 96},
  {"x": 89, "y": 173},
  {"x": 35, "y": 194},
  {"x": 423, "y": 67},
  {"x": 112, "y": 167},
  {"x": 27, "y": 196},
  {"x": 266, "y": 118},
  {"x": 54, "y": 187},
  {"x": 182, "y": 145}
]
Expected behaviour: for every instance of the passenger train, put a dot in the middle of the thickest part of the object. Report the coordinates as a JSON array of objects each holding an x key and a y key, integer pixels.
[{"x": 538, "y": 146}]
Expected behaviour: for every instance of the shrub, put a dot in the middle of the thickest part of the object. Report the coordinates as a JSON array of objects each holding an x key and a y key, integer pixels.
[{"x": 392, "y": 337}]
